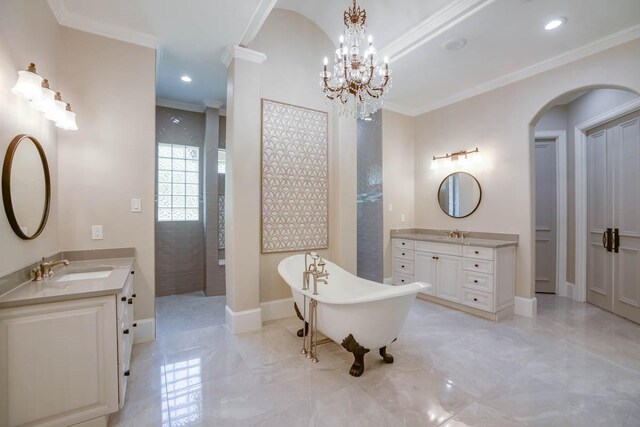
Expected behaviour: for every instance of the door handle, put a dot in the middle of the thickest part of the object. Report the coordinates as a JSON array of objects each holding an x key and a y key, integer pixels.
[
  {"x": 616, "y": 240},
  {"x": 607, "y": 239}
]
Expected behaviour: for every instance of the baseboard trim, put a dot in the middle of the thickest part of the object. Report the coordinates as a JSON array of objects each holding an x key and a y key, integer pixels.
[
  {"x": 145, "y": 331},
  {"x": 570, "y": 290},
  {"x": 388, "y": 281},
  {"x": 278, "y": 309},
  {"x": 527, "y": 307},
  {"x": 243, "y": 321}
]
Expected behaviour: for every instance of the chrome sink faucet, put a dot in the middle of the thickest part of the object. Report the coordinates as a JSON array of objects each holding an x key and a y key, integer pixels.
[
  {"x": 45, "y": 269},
  {"x": 457, "y": 234}
]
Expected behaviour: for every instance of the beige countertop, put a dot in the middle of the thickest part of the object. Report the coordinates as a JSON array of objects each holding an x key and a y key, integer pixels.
[
  {"x": 53, "y": 289},
  {"x": 467, "y": 241}
]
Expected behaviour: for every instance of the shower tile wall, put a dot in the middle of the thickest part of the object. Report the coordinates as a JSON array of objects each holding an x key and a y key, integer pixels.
[
  {"x": 180, "y": 256},
  {"x": 370, "y": 206}
]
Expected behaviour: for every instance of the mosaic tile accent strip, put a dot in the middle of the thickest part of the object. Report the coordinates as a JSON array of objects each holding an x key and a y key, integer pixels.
[
  {"x": 295, "y": 178},
  {"x": 220, "y": 221}
]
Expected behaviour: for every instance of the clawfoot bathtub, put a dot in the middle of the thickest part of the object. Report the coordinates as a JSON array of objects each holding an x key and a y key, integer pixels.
[{"x": 359, "y": 314}]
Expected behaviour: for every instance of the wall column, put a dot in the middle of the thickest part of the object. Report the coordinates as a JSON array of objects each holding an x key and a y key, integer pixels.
[{"x": 242, "y": 189}]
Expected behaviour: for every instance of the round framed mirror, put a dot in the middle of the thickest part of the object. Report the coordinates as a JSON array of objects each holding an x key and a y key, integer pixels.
[
  {"x": 459, "y": 195},
  {"x": 26, "y": 187}
]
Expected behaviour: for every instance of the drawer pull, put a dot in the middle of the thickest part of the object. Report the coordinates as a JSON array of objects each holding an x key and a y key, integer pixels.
[
  {"x": 133, "y": 272},
  {"x": 402, "y": 280},
  {"x": 127, "y": 373},
  {"x": 475, "y": 299},
  {"x": 402, "y": 243},
  {"x": 475, "y": 281},
  {"x": 476, "y": 252},
  {"x": 123, "y": 299},
  {"x": 130, "y": 301},
  {"x": 134, "y": 295},
  {"x": 135, "y": 325},
  {"x": 477, "y": 266},
  {"x": 126, "y": 332},
  {"x": 402, "y": 253},
  {"x": 402, "y": 266}
]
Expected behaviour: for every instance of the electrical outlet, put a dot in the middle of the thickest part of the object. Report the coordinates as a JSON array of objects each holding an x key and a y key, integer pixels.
[
  {"x": 390, "y": 207},
  {"x": 96, "y": 232},
  {"x": 402, "y": 218},
  {"x": 136, "y": 205}
]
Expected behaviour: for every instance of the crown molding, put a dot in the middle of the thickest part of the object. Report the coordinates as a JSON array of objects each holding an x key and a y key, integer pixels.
[
  {"x": 613, "y": 40},
  {"x": 213, "y": 103},
  {"x": 257, "y": 20},
  {"x": 239, "y": 52},
  {"x": 82, "y": 23},
  {"x": 397, "y": 108},
  {"x": 447, "y": 17},
  {"x": 178, "y": 105}
]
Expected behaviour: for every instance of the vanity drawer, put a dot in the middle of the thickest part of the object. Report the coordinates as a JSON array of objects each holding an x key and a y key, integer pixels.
[
  {"x": 477, "y": 281},
  {"x": 403, "y": 253},
  {"x": 403, "y": 243},
  {"x": 478, "y": 252},
  {"x": 439, "y": 248},
  {"x": 477, "y": 299},
  {"x": 479, "y": 266},
  {"x": 403, "y": 266},
  {"x": 402, "y": 279}
]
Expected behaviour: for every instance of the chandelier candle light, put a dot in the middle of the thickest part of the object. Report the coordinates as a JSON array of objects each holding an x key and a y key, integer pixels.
[{"x": 358, "y": 80}]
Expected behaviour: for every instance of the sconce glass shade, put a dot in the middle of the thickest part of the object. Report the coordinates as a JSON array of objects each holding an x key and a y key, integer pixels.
[
  {"x": 29, "y": 84},
  {"x": 46, "y": 101},
  {"x": 68, "y": 120},
  {"x": 56, "y": 113}
]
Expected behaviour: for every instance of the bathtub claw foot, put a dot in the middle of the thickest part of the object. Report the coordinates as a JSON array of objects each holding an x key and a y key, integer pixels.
[
  {"x": 302, "y": 331},
  {"x": 351, "y": 345},
  {"x": 386, "y": 357}
]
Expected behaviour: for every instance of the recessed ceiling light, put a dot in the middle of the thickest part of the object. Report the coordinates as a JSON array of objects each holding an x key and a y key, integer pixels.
[
  {"x": 555, "y": 23},
  {"x": 455, "y": 44},
  {"x": 186, "y": 79}
]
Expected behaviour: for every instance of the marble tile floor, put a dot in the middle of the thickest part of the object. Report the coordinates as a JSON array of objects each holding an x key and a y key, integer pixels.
[{"x": 573, "y": 365}]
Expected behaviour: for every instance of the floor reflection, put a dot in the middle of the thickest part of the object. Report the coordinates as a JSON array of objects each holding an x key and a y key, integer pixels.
[{"x": 184, "y": 392}]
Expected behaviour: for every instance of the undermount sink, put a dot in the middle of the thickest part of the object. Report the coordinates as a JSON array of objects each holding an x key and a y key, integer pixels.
[{"x": 85, "y": 274}]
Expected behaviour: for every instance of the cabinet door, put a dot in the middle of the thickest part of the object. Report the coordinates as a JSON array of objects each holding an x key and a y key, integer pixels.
[
  {"x": 58, "y": 365},
  {"x": 449, "y": 278},
  {"x": 425, "y": 270}
]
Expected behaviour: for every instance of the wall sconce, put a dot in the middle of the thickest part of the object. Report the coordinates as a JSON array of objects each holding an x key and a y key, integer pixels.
[
  {"x": 42, "y": 98},
  {"x": 459, "y": 158}
]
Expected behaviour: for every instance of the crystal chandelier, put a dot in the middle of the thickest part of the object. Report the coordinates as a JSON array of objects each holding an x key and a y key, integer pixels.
[{"x": 358, "y": 80}]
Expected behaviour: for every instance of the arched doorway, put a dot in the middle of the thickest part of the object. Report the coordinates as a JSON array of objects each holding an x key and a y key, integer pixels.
[{"x": 582, "y": 143}]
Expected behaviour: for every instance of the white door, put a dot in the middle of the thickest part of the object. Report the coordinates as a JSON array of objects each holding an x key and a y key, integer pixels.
[
  {"x": 613, "y": 280},
  {"x": 449, "y": 278},
  {"x": 546, "y": 188},
  {"x": 425, "y": 271}
]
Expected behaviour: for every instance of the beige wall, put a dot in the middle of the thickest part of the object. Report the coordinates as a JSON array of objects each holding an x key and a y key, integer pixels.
[
  {"x": 398, "y": 141},
  {"x": 291, "y": 75},
  {"x": 499, "y": 123},
  {"x": 20, "y": 45},
  {"x": 111, "y": 159}
]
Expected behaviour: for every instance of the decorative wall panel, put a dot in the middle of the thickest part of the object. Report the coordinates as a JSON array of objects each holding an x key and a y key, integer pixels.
[{"x": 295, "y": 178}]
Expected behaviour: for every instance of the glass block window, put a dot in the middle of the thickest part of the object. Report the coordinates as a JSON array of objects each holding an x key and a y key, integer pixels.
[
  {"x": 222, "y": 161},
  {"x": 178, "y": 183}
]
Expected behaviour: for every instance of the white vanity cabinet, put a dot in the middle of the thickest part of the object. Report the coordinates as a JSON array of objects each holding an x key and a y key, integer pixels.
[
  {"x": 478, "y": 279},
  {"x": 65, "y": 363}
]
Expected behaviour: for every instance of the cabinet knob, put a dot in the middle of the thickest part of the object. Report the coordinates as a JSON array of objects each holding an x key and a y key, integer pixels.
[
  {"x": 477, "y": 252},
  {"x": 477, "y": 265},
  {"x": 475, "y": 299},
  {"x": 402, "y": 280},
  {"x": 402, "y": 253},
  {"x": 130, "y": 301},
  {"x": 123, "y": 299},
  {"x": 402, "y": 266},
  {"x": 126, "y": 332},
  {"x": 134, "y": 295},
  {"x": 135, "y": 325},
  {"x": 133, "y": 272},
  {"x": 475, "y": 281},
  {"x": 402, "y": 243},
  {"x": 127, "y": 373}
]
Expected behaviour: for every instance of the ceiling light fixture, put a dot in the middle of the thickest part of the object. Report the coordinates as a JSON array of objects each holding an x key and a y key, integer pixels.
[
  {"x": 42, "y": 98},
  {"x": 555, "y": 23},
  {"x": 358, "y": 80},
  {"x": 186, "y": 79}
]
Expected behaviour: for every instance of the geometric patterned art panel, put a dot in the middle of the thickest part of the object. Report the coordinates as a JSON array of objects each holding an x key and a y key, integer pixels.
[{"x": 295, "y": 178}]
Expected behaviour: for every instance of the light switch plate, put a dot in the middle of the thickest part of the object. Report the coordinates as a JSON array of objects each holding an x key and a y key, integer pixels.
[
  {"x": 402, "y": 218},
  {"x": 136, "y": 205},
  {"x": 390, "y": 207},
  {"x": 96, "y": 232}
]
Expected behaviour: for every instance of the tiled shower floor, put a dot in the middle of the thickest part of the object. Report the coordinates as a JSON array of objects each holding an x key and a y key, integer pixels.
[{"x": 573, "y": 365}]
